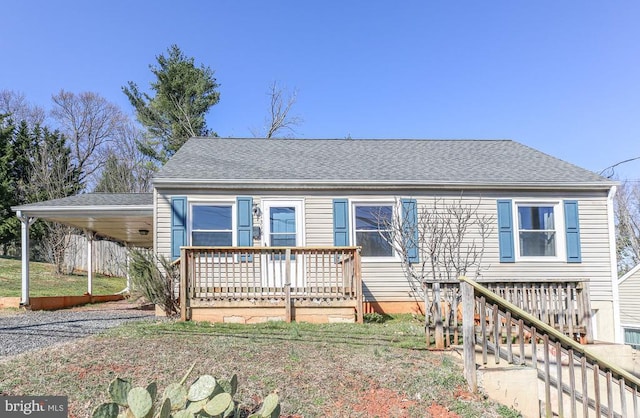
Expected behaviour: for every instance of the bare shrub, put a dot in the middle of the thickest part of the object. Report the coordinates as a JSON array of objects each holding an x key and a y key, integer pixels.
[{"x": 155, "y": 278}]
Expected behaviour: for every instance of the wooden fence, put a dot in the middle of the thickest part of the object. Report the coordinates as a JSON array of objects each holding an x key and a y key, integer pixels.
[{"x": 109, "y": 257}]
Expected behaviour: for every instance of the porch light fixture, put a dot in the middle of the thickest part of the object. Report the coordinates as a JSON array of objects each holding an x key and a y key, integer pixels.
[
  {"x": 256, "y": 211},
  {"x": 143, "y": 232}
]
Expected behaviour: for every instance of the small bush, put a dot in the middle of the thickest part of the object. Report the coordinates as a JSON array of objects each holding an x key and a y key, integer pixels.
[
  {"x": 508, "y": 412},
  {"x": 156, "y": 279},
  {"x": 374, "y": 318}
]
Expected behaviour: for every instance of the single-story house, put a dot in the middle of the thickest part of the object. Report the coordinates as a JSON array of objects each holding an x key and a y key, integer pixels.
[
  {"x": 629, "y": 290},
  {"x": 252, "y": 218}
]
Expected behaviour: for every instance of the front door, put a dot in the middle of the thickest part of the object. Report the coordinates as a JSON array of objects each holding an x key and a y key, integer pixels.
[{"x": 282, "y": 228}]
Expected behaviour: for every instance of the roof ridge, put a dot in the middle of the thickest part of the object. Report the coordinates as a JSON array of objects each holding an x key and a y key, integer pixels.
[{"x": 358, "y": 139}]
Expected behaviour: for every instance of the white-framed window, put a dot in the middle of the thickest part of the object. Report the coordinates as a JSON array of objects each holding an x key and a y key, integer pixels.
[
  {"x": 632, "y": 337},
  {"x": 370, "y": 227},
  {"x": 212, "y": 224},
  {"x": 539, "y": 230}
]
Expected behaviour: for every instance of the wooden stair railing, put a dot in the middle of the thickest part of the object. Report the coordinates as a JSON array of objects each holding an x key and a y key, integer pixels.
[{"x": 580, "y": 380}]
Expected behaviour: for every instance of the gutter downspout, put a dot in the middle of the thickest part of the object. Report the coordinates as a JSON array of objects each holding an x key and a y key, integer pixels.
[{"x": 617, "y": 327}]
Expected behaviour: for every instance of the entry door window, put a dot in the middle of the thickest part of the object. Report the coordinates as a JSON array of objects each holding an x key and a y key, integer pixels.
[{"x": 282, "y": 227}]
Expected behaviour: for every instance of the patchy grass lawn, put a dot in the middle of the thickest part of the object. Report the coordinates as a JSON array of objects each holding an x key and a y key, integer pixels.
[
  {"x": 44, "y": 282},
  {"x": 332, "y": 370}
]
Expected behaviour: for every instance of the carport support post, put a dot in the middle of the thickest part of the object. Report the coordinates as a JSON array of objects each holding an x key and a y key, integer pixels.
[
  {"x": 26, "y": 223},
  {"x": 128, "y": 261},
  {"x": 89, "y": 235}
]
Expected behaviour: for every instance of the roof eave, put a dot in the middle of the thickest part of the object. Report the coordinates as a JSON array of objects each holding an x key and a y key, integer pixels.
[
  {"x": 86, "y": 210},
  {"x": 240, "y": 184},
  {"x": 629, "y": 274}
]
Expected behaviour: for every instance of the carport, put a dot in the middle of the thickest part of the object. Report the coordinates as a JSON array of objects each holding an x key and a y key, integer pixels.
[{"x": 123, "y": 217}]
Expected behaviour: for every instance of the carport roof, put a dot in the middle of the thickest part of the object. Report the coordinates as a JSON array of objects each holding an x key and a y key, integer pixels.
[{"x": 123, "y": 217}]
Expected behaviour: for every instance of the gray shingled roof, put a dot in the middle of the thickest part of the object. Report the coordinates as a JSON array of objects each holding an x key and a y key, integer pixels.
[
  {"x": 116, "y": 200},
  {"x": 370, "y": 161}
]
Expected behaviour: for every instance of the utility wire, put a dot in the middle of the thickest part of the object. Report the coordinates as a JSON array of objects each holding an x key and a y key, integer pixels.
[{"x": 612, "y": 167}]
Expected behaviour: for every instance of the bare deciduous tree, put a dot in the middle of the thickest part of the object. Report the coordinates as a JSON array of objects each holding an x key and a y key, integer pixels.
[
  {"x": 627, "y": 213},
  {"x": 280, "y": 119},
  {"x": 91, "y": 124},
  {"x": 16, "y": 106},
  {"x": 53, "y": 176},
  {"x": 126, "y": 169},
  {"x": 449, "y": 238}
]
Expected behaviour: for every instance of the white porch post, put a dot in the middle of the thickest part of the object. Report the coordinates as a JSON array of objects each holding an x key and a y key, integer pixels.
[
  {"x": 26, "y": 222},
  {"x": 128, "y": 289},
  {"x": 89, "y": 236}
]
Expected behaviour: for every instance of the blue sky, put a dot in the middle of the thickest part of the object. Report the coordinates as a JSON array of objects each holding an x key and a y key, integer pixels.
[{"x": 561, "y": 77}]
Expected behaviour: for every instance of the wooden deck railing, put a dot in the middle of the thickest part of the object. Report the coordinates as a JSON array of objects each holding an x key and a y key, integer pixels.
[
  {"x": 270, "y": 273},
  {"x": 576, "y": 382},
  {"x": 562, "y": 304}
]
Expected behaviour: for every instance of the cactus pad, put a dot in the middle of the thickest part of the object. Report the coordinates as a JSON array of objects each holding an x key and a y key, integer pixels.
[
  {"x": 118, "y": 390},
  {"x": 139, "y": 401},
  {"x": 177, "y": 394},
  {"x": 202, "y": 388},
  {"x": 219, "y": 404},
  {"x": 106, "y": 410}
]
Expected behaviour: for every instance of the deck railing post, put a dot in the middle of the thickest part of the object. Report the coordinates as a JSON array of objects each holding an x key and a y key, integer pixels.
[
  {"x": 358, "y": 280},
  {"x": 437, "y": 317},
  {"x": 587, "y": 315},
  {"x": 183, "y": 284},
  {"x": 287, "y": 285},
  {"x": 468, "y": 335}
]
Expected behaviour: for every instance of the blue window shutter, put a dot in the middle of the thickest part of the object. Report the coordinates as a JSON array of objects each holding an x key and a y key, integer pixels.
[
  {"x": 410, "y": 224},
  {"x": 340, "y": 222},
  {"x": 245, "y": 221},
  {"x": 178, "y": 225},
  {"x": 245, "y": 224},
  {"x": 572, "y": 226},
  {"x": 505, "y": 231}
]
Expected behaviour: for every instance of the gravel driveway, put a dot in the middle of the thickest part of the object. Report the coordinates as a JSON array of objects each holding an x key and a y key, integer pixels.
[{"x": 30, "y": 330}]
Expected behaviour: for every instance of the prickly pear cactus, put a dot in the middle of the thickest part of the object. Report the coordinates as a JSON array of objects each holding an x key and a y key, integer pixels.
[
  {"x": 270, "y": 408},
  {"x": 118, "y": 389},
  {"x": 205, "y": 397}
]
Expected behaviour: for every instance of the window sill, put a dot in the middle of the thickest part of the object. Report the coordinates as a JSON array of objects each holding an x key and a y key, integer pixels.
[
  {"x": 373, "y": 259},
  {"x": 541, "y": 259}
]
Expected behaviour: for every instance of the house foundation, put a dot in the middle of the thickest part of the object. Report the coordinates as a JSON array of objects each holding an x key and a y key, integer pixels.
[{"x": 246, "y": 312}]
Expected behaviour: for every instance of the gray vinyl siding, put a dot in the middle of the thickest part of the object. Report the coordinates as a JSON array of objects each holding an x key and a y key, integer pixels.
[
  {"x": 630, "y": 300},
  {"x": 162, "y": 227},
  {"x": 385, "y": 281},
  {"x": 318, "y": 221}
]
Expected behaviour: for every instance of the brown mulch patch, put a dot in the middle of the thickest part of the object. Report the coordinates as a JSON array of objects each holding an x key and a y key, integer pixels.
[
  {"x": 439, "y": 411},
  {"x": 383, "y": 402}
]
